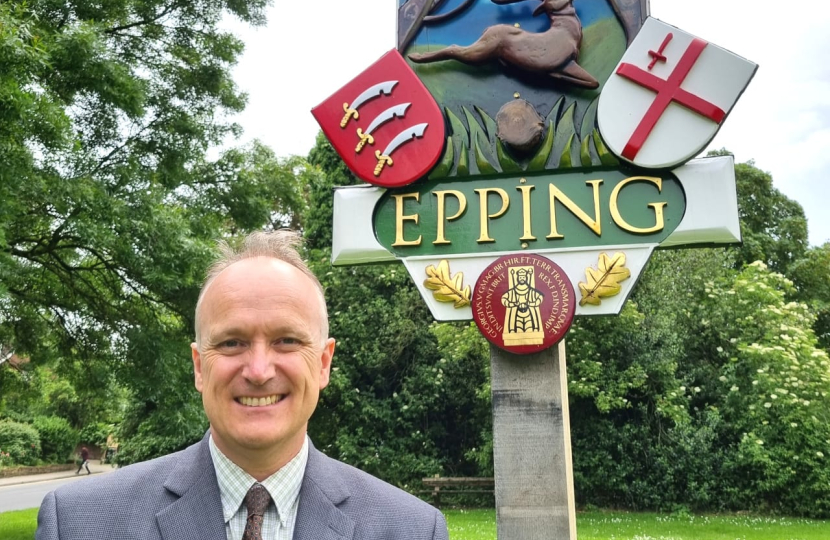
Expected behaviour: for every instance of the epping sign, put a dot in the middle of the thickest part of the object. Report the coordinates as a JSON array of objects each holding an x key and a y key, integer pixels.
[{"x": 577, "y": 157}]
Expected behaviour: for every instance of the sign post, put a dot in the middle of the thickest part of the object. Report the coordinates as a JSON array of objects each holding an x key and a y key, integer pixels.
[
  {"x": 532, "y": 445},
  {"x": 524, "y": 158}
]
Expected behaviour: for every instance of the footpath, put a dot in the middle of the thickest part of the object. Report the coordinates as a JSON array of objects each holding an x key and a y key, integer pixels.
[{"x": 95, "y": 467}]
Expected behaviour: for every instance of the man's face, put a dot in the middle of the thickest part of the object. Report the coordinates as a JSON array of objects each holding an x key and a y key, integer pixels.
[{"x": 262, "y": 360}]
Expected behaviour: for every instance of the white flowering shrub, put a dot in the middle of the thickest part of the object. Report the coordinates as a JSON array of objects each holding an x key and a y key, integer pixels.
[{"x": 771, "y": 392}]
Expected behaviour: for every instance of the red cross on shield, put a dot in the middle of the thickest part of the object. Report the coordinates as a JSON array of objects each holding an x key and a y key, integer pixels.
[{"x": 669, "y": 96}]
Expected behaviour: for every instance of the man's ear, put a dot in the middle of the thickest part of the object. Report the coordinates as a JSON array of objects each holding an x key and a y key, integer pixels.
[
  {"x": 197, "y": 366},
  {"x": 325, "y": 362}
]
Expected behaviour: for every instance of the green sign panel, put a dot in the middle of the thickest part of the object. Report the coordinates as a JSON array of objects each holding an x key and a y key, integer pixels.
[{"x": 546, "y": 211}]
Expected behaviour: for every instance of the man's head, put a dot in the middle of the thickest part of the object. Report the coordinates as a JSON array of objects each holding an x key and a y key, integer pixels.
[
  {"x": 281, "y": 245},
  {"x": 262, "y": 352}
]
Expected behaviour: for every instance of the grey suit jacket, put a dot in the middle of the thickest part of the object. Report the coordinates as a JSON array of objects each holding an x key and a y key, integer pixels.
[{"x": 176, "y": 497}]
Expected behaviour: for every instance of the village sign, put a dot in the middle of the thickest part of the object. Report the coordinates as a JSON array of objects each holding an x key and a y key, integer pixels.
[{"x": 506, "y": 133}]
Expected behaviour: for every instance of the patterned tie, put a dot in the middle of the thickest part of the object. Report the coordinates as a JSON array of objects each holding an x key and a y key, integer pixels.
[{"x": 256, "y": 501}]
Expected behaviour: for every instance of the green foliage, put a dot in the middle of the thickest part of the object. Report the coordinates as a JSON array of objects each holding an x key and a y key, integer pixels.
[
  {"x": 771, "y": 390},
  {"x": 57, "y": 438},
  {"x": 96, "y": 434},
  {"x": 664, "y": 412},
  {"x": 773, "y": 227},
  {"x": 148, "y": 434},
  {"x": 605, "y": 157},
  {"x": 46, "y": 391},
  {"x": 20, "y": 441},
  {"x": 629, "y": 422},
  {"x": 14, "y": 386},
  {"x": 378, "y": 411},
  {"x": 565, "y": 132},
  {"x": 481, "y": 144},
  {"x": 110, "y": 202},
  {"x": 811, "y": 277}
]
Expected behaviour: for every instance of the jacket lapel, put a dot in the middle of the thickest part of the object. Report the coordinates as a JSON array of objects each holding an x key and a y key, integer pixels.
[
  {"x": 197, "y": 514},
  {"x": 318, "y": 517}
]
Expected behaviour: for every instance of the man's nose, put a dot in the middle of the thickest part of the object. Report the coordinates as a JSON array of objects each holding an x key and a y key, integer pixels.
[{"x": 260, "y": 366}]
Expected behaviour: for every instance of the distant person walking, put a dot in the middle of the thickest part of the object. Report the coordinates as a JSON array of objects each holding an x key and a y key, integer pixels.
[{"x": 84, "y": 461}]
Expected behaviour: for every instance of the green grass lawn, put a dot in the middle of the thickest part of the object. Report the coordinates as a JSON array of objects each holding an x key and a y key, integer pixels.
[
  {"x": 481, "y": 525},
  {"x": 18, "y": 525}
]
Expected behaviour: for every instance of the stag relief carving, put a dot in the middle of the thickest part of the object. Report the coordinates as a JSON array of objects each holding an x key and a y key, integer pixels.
[{"x": 554, "y": 52}]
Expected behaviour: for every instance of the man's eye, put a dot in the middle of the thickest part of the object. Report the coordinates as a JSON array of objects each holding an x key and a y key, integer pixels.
[
  {"x": 230, "y": 344},
  {"x": 288, "y": 341}
]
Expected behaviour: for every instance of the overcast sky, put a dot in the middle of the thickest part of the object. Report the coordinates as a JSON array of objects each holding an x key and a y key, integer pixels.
[{"x": 311, "y": 48}]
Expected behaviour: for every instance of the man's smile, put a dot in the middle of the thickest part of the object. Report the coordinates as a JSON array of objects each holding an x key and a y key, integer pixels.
[{"x": 259, "y": 401}]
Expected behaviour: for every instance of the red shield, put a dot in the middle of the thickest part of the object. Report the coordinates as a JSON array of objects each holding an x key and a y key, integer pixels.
[{"x": 384, "y": 124}]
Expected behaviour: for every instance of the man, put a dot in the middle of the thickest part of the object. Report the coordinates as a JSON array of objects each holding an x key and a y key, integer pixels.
[
  {"x": 262, "y": 354},
  {"x": 84, "y": 454}
]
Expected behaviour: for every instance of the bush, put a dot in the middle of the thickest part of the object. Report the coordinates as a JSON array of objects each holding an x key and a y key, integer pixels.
[
  {"x": 20, "y": 441},
  {"x": 57, "y": 438},
  {"x": 161, "y": 433},
  {"x": 96, "y": 434},
  {"x": 15, "y": 416}
]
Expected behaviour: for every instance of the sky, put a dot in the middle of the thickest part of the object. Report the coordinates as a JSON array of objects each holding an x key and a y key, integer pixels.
[{"x": 309, "y": 49}]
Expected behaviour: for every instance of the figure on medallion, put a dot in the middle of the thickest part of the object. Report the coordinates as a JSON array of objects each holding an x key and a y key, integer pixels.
[{"x": 523, "y": 320}]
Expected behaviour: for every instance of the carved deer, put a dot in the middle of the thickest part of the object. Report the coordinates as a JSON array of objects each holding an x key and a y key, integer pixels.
[{"x": 553, "y": 52}]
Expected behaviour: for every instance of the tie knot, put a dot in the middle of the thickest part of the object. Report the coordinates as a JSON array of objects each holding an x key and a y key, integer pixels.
[{"x": 257, "y": 500}]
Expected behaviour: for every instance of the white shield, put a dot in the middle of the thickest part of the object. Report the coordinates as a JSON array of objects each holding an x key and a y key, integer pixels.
[{"x": 669, "y": 96}]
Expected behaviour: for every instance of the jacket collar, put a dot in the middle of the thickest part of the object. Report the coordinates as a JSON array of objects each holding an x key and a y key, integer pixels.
[
  {"x": 323, "y": 490},
  {"x": 197, "y": 514}
]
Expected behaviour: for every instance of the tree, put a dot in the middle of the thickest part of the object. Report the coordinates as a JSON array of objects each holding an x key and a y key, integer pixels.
[
  {"x": 811, "y": 277},
  {"x": 769, "y": 385},
  {"x": 635, "y": 440},
  {"x": 773, "y": 226},
  {"x": 774, "y": 231},
  {"x": 109, "y": 202}
]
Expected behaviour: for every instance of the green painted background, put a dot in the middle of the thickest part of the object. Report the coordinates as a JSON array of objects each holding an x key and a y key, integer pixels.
[{"x": 506, "y": 230}]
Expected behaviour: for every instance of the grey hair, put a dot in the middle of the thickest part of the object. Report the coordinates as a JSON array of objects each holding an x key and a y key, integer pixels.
[{"x": 282, "y": 245}]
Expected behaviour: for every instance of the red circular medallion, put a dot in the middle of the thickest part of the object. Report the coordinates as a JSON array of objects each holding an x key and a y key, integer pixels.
[{"x": 523, "y": 303}]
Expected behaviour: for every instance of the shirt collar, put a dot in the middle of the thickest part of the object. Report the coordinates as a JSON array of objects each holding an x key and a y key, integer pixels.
[{"x": 234, "y": 483}]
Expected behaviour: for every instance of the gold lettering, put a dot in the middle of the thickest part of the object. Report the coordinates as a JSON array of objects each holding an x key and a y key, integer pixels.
[
  {"x": 400, "y": 218},
  {"x": 595, "y": 224},
  {"x": 484, "y": 225},
  {"x": 658, "y": 207},
  {"x": 528, "y": 234},
  {"x": 462, "y": 205}
]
